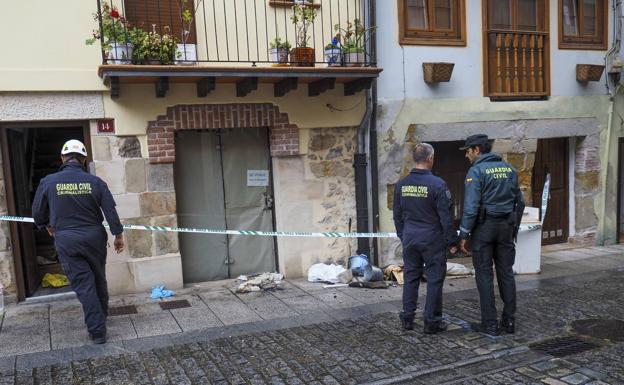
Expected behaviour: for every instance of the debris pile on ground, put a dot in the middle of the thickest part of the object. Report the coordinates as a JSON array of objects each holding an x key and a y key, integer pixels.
[
  {"x": 54, "y": 280},
  {"x": 262, "y": 282},
  {"x": 458, "y": 269},
  {"x": 394, "y": 273},
  {"x": 329, "y": 273}
]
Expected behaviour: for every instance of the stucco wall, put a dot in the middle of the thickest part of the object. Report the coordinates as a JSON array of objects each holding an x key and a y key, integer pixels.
[{"x": 402, "y": 65}]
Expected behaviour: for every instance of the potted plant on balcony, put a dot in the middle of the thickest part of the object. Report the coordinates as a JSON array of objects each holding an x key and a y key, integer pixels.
[
  {"x": 154, "y": 48},
  {"x": 114, "y": 35},
  {"x": 279, "y": 51},
  {"x": 333, "y": 53},
  {"x": 303, "y": 18},
  {"x": 354, "y": 40},
  {"x": 187, "y": 52}
]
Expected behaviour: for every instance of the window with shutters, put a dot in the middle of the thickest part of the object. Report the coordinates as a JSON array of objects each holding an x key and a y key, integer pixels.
[
  {"x": 163, "y": 15},
  {"x": 432, "y": 22},
  {"x": 583, "y": 24}
]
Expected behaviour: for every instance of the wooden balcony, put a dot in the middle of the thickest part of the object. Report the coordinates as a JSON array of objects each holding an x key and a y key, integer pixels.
[{"x": 517, "y": 65}]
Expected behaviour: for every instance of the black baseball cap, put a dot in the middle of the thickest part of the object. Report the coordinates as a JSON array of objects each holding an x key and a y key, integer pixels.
[{"x": 474, "y": 140}]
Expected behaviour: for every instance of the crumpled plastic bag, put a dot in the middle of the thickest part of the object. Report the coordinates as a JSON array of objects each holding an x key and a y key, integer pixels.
[
  {"x": 321, "y": 272},
  {"x": 54, "y": 280},
  {"x": 161, "y": 292},
  {"x": 458, "y": 269}
]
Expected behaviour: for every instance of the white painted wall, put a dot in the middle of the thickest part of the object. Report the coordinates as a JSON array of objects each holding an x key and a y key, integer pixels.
[{"x": 403, "y": 64}]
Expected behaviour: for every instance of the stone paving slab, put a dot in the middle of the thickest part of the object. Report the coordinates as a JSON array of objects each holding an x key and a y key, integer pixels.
[
  {"x": 154, "y": 324},
  {"x": 229, "y": 308},
  {"x": 198, "y": 316}
]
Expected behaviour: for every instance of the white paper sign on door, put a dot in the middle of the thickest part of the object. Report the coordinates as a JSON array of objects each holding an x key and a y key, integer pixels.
[{"x": 257, "y": 178}]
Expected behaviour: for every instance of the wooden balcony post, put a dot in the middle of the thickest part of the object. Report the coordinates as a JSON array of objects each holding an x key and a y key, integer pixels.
[{"x": 499, "y": 80}]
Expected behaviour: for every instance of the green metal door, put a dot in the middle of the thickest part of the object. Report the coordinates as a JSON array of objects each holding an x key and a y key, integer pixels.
[{"x": 223, "y": 182}]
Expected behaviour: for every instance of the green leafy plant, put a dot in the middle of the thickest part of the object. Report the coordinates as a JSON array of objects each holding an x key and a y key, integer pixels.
[
  {"x": 354, "y": 37},
  {"x": 115, "y": 28},
  {"x": 188, "y": 10},
  {"x": 277, "y": 43},
  {"x": 303, "y": 18},
  {"x": 152, "y": 46}
]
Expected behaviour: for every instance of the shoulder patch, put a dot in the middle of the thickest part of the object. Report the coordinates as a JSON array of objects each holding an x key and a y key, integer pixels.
[{"x": 448, "y": 194}]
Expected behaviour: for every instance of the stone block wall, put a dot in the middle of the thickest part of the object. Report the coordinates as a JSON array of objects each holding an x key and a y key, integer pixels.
[
  {"x": 316, "y": 192},
  {"x": 516, "y": 141},
  {"x": 145, "y": 195}
]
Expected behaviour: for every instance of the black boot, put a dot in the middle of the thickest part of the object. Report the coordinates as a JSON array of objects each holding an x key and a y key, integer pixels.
[
  {"x": 508, "y": 326},
  {"x": 407, "y": 321},
  {"x": 435, "y": 327},
  {"x": 485, "y": 329}
]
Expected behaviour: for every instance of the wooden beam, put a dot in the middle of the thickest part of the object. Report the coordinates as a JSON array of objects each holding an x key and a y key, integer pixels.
[
  {"x": 114, "y": 87},
  {"x": 162, "y": 86},
  {"x": 246, "y": 85},
  {"x": 355, "y": 86},
  {"x": 205, "y": 86},
  {"x": 319, "y": 86},
  {"x": 284, "y": 86}
]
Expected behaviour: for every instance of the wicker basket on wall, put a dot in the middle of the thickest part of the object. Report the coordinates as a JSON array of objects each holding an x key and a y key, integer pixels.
[
  {"x": 437, "y": 72},
  {"x": 588, "y": 72}
]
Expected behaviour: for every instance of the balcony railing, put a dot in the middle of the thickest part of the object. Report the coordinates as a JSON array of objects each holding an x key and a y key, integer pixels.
[
  {"x": 517, "y": 64},
  {"x": 234, "y": 32}
]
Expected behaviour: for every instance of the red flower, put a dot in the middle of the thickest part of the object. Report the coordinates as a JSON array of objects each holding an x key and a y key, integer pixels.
[{"x": 114, "y": 14}]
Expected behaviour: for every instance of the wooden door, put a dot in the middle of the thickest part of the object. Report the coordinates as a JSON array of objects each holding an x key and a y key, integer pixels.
[
  {"x": 22, "y": 234},
  {"x": 516, "y": 54},
  {"x": 552, "y": 157}
]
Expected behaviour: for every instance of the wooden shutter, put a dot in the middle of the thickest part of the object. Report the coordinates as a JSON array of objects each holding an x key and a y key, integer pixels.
[{"x": 164, "y": 14}]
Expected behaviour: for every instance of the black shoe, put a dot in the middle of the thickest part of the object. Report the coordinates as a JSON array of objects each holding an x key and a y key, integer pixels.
[
  {"x": 489, "y": 330},
  {"x": 407, "y": 322},
  {"x": 508, "y": 326},
  {"x": 98, "y": 337},
  {"x": 436, "y": 327}
]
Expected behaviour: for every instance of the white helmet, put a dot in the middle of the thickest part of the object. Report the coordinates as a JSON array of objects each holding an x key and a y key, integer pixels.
[{"x": 74, "y": 146}]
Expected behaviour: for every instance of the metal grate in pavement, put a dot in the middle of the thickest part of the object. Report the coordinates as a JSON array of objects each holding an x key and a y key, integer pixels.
[
  {"x": 563, "y": 346},
  {"x": 177, "y": 304},
  {"x": 122, "y": 310}
]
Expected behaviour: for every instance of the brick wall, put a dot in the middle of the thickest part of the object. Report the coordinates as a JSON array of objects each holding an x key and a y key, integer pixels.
[{"x": 284, "y": 137}]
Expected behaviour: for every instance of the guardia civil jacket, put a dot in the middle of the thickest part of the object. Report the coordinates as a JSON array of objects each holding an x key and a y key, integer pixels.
[{"x": 491, "y": 184}]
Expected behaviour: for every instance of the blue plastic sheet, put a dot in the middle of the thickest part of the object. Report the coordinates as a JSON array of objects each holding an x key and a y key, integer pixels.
[{"x": 161, "y": 292}]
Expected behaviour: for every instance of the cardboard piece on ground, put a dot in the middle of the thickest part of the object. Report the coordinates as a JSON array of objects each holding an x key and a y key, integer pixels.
[{"x": 398, "y": 275}]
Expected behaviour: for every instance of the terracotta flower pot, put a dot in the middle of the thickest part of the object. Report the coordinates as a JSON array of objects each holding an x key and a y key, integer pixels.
[{"x": 302, "y": 57}]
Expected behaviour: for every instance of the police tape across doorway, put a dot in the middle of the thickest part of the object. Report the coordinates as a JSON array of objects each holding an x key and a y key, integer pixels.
[{"x": 9, "y": 218}]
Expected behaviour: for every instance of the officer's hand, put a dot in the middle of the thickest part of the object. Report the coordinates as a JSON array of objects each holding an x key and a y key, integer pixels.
[
  {"x": 50, "y": 230},
  {"x": 119, "y": 243},
  {"x": 462, "y": 246}
]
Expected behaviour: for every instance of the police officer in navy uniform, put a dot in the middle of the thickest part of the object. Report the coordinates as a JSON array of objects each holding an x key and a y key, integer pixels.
[
  {"x": 422, "y": 217},
  {"x": 493, "y": 207},
  {"x": 69, "y": 203}
]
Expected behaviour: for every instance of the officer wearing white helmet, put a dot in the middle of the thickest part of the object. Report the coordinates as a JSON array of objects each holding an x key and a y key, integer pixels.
[{"x": 69, "y": 203}]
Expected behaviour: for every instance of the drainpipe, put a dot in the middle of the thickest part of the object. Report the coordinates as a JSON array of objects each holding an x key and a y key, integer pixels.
[
  {"x": 360, "y": 164},
  {"x": 365, "y": 173},
  {"x": 614, "y": 51},
  {"x": 374, "y": 172}
]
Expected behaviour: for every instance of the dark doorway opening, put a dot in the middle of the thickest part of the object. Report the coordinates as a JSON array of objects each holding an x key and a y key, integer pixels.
[
  {"x": 29, "y": 153},
  {"x": 452, "y": 166},
  {"x": 552, "y": 157},
  {"x": 620, "y": 202}
]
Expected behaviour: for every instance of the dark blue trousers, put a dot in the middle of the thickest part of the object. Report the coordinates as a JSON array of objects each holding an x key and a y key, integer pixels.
[
  {"x": 82, "y": 254},
  {"x": 430, "y": 259},
  {"x": 492, "y": 242}
]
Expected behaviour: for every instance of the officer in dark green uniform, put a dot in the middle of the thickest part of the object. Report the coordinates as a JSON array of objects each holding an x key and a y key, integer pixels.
[{"x": 493, "y": 206}]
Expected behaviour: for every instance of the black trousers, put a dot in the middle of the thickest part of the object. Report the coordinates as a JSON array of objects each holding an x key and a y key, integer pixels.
[
  {"x": 492, "y": 242},
  {"x": 83, "y": 257},
  {"x": 430, "y": 259}
]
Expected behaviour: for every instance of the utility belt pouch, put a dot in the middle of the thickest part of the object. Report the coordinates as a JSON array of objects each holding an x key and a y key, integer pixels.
[{"x": 481, "y": 216}]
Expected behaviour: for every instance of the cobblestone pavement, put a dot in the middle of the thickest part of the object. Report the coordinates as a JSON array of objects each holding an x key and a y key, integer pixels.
[{"x": 372, "y": 349}]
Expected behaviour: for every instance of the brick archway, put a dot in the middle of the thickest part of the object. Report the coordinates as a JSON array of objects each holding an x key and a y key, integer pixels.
[{"x": 284, "y": 137}]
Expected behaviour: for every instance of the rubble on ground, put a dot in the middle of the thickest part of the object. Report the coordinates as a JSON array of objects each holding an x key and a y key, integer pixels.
[{"x": 262, "y": 282}]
